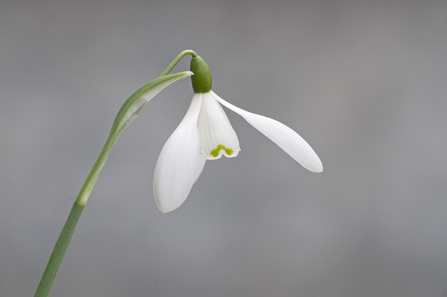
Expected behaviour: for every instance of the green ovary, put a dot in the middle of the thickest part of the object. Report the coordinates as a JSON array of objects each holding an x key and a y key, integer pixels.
[{"x": 216, "y": 151}]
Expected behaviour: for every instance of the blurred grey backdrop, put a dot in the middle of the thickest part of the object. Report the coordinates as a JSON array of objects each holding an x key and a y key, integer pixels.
[{"x": 364, "y": 82}]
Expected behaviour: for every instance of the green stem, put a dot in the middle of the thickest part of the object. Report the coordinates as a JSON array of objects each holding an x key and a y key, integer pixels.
[
  {"x": 46, "y": 282},
  {"x": 179, "y": 57},
  {"x": 55, "y": 261},
  {"x": 128, "y": 112}
]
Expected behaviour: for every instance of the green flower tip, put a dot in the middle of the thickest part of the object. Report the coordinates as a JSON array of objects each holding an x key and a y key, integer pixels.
[{"x": 201, "y": 80}]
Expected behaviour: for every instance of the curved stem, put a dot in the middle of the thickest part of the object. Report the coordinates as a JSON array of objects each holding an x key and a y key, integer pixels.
[
  {"x": 176, "y": 60},
  {"x": 55, "y": 261},
  {"x": 128, "y": 112}
]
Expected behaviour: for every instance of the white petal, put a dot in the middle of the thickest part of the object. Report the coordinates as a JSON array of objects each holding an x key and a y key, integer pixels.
[
  {"x": 283, "y": 136},
  {"x": 179, "y": 164},
  {"x": 217, "y": 137}
]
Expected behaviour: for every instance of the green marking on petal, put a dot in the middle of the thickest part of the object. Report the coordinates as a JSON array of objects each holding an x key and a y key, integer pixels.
[{"x": 216, "y": 151}]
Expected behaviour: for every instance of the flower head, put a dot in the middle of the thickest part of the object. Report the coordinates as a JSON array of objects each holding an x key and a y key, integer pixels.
[{"x": 205, "y": 133}]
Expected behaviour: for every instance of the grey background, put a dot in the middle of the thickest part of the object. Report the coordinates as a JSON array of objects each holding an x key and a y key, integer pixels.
[{"x": 364, "y": 82}]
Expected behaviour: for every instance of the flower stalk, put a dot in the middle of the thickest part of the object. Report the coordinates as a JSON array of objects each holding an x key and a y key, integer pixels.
[
  {"x": 176, "y": 60},
  {"x": 126, "y": 115},
  {"x": 55, "y": 261}
]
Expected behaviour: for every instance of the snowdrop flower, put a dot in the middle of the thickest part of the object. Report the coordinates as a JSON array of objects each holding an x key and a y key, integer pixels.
[{"x": 205, "y": 133}]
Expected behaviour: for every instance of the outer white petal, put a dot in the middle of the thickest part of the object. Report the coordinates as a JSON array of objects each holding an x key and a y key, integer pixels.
[
  {"x": 217, "y": 136},
  {"x": 283, "y": 136},
  {"x": 179, "y": 164}
]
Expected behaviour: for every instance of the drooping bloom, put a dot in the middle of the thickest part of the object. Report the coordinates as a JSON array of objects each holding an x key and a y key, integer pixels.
[{"x": 205, "y": 133}]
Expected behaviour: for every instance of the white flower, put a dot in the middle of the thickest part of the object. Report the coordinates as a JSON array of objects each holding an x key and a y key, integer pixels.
[{"x": 206, "y": 134}]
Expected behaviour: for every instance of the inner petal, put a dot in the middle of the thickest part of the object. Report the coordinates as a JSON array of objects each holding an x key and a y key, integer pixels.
[{"x": 217, "y": 136}]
